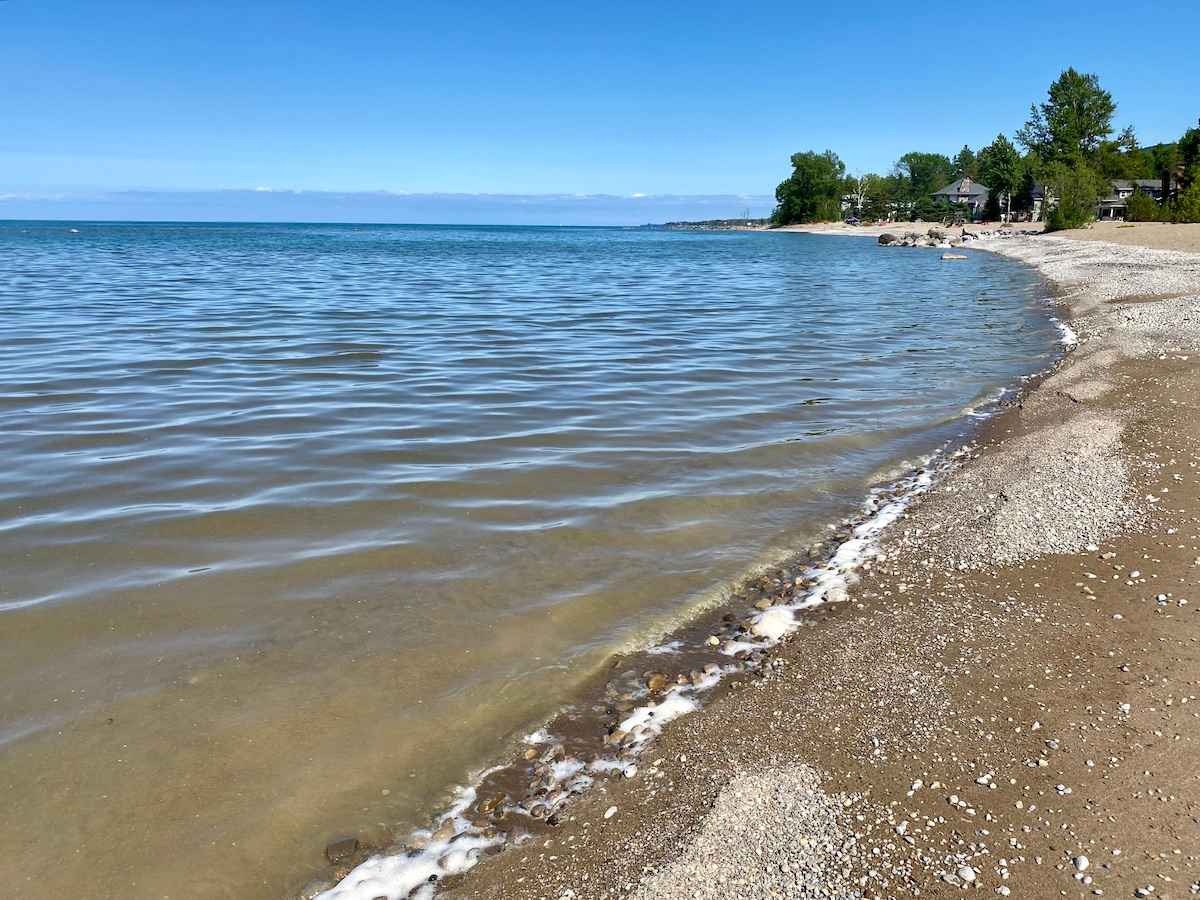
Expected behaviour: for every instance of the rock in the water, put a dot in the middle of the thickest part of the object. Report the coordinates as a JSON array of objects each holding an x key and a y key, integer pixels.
[
  {"x": 887, "y": 238},
  {"x": 656, "y": 682},
  {"x": 341, "y": 850}
]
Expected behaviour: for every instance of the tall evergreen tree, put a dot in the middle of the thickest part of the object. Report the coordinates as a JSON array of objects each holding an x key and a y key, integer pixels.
[
  {"x": 966, "y": 164},
  {"x": 1002, "y": 171}
]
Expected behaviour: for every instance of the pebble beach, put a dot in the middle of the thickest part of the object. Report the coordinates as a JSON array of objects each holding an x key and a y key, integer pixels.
[{"x": 1005, "y": 701}]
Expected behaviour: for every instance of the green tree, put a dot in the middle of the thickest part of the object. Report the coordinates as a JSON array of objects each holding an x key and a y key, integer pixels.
[
  {"x": 1141, "y": 207},
  {"x": 867, "y": 195},
  {"x": 1164, "y": 158},
  {"x": 813, "y": 192},
  {"x": 966, "y": 164},
  {"x": 1002, "y": 171},
  {"x": 1189, "y": 157},
  {"x": 1073, "y": 121},
  {"x": 1122, "y": 158},
  {"x": 1022, "y": 200},
  {"x": 1186, "y": 206},
  {"x": 918, "y": 175},
  {"x": 1076, "y": 188}
]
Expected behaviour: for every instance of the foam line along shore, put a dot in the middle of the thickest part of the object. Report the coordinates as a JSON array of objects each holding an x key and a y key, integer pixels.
[
  {"x": 559, "y": 773},
  {"x": 1013, "y": 670}
]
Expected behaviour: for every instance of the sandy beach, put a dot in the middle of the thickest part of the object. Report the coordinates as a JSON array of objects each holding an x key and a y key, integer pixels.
[
  {"x": 1005, "y": 701},
  {"x": 899, "y": 228},
  {"x": 1153, "y": 235}
]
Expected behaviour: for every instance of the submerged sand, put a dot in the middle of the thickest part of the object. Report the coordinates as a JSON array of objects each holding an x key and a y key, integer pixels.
[{"x": 1006, "y": 702}]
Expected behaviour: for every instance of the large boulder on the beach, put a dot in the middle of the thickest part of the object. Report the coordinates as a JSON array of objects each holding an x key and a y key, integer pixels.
[{"x": 887, "y": 238}]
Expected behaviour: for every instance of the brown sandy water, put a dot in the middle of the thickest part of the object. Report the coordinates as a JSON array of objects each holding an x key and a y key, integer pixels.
[{"x": 303, "y": 524}]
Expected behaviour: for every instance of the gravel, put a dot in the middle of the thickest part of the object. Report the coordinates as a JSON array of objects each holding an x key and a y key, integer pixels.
[
  {"x": 1053, "y": 491},
  {"x": 770, "y": 834}
]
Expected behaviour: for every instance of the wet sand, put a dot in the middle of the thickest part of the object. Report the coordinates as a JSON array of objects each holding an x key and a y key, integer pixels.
[{"x": 1006, "y": 702}]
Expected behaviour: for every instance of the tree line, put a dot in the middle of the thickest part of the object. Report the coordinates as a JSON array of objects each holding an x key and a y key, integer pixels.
[{"x": 1066, "y": 150}]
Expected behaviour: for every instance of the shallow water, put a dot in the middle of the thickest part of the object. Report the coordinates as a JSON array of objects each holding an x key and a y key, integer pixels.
[{"x": 301, "y": 523}]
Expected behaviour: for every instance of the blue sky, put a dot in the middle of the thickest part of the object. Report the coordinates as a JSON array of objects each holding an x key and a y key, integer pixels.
[{"x": 176, "y": 97}]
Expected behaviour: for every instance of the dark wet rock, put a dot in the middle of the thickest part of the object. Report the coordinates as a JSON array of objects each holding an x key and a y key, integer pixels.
[
  {"x": 490, "y": 805},
  {"x": 887, "y": 238},
  {"x": 341, "y": 851},
  {"x": 615, "y": 736}
]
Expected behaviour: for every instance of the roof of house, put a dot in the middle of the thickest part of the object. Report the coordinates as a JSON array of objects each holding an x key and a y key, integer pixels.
[
  {"x": 1123, "y": 184},
  {"x": 1118, "y": 184},
  {"x": 1147, "y": 185},
  {"x": 964, "y": 186}
]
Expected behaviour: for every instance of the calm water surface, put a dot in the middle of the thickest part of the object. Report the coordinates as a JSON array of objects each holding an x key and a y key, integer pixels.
[{"x": 298, "y": 524}]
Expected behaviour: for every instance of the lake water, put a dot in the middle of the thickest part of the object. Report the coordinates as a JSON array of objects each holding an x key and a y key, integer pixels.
[{"x": 300, "y": 524}]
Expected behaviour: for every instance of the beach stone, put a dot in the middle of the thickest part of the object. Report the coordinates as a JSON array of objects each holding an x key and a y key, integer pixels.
[
  {"x": 887, "y": 238},
  {"x": 492, "y": 804},
  {"x": 656, "y": 682},
  {"x": 341, "y": 850}
]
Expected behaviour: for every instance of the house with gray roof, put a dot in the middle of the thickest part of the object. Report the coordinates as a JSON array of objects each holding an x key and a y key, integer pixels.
[
  {"x": 1116, "y": 203},
  {"x": 967, "y": 192}
]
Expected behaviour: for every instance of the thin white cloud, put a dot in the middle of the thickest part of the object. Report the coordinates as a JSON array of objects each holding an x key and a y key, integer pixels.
[{"x": 265, "y": 203}]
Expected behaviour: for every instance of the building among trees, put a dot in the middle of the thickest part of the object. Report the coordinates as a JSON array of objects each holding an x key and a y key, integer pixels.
[
  {"x": 1115, "y": 205},
  {"x": 964, "y": 192}
]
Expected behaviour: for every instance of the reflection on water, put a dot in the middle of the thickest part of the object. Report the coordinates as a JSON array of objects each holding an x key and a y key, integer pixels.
[{"x": 300, "y": 522}]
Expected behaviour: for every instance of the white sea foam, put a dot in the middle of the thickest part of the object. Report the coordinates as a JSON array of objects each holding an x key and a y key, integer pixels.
[
  {"x": 773, "y": 623},
  {"x": 831, "y": 580},
  {"x": 663, "y": 649},
  {"x": 1066, "y": 334},
  {"x": 406, "y": 876},
  {"x": 983, "y": 409},
  {"x": 455, "y": 846},
  {"x": 565, "y": 768}
]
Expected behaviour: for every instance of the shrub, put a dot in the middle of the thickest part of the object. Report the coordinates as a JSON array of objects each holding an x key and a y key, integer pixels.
[
  {"x": 1143, "y": 208},
  {"x": 1077, "y": 190},
  {"x": 1186, "y": 206}
]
